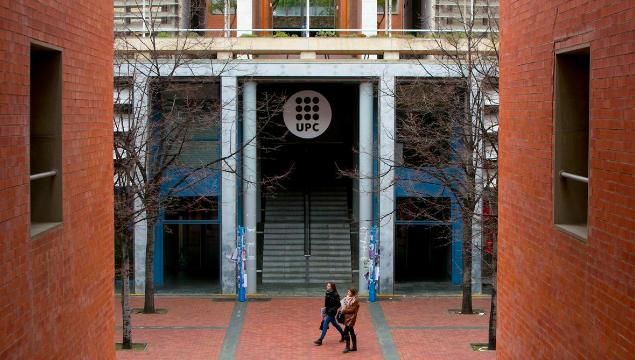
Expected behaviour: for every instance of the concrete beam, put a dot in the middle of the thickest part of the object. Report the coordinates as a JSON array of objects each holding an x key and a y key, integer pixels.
[{"x": 294, "y": 46}]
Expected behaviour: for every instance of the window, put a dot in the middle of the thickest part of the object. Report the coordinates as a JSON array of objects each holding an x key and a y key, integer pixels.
[
  {"x": 571, "y": 163},
  {"x": 291, "y": 14},
  {"x": 45, "y": 138},
  {"x": 381, "y": 5}
]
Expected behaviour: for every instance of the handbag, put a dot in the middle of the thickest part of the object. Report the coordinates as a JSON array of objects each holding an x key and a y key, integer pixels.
[{"x": 340, "y": 318}]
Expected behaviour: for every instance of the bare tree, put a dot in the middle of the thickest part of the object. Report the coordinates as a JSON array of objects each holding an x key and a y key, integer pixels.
[
  {"x": 159, "y": 117},
  {"x": 448, "y": 129}
]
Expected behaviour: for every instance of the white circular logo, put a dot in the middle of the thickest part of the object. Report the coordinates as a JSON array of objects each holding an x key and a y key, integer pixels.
[{"x": 307, "y": 114}]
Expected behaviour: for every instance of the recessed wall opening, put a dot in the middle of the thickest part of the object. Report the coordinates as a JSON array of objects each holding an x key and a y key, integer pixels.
[
  {"x": 423, "y": 241},
  {"x": 45, "y": 150},
  {"x": 422, "y": 253},
  {"x": 191, "y": 247},
  {"x": 187, "y": 138},
  {"x": 306, "y": 216},
  {"x": 192, "y": 257},
  {"x": 571, "y": 163}
]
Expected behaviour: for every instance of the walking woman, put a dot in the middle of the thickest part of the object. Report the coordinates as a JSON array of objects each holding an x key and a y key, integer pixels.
[
  {"x": 332, "y": 304},
  {"x": 350, "y": 306}
]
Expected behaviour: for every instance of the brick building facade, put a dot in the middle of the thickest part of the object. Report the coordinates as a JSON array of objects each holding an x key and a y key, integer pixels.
[
  {"x": 566, "y": 288},
  {"x": 56, "y": 252}
]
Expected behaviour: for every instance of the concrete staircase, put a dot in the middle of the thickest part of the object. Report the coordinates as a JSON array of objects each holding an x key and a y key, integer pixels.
[{"x": 283, "y": 253}]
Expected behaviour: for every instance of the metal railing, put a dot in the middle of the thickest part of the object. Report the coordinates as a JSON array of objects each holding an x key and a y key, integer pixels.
[
  {"x": 43, "y": 175},
  {"x": 574, "y": 177},
  {"x": 246, "y": 31},
  {"x": 307, "y": 224}
]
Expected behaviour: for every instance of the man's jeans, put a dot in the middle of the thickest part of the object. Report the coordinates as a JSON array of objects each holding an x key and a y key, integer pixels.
[{"x": 325, "y": 325}]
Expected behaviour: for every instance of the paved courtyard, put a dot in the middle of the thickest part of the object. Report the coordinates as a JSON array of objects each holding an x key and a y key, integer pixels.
[{"x": 198, "y": 327}]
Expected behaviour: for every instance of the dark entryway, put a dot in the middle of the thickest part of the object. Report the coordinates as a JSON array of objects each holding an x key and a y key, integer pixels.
[
  {"x": 422, "y": 253},
  {"x": 306, "y": 214},
  {"x": 192, "y": 257}
]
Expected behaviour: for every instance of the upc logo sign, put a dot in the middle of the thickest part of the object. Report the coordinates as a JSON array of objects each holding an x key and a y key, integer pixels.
[{"x": 307, "y": 114}]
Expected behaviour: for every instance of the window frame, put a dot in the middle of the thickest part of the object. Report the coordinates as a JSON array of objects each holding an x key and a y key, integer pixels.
[
  {"x": 577, "y": 231},
  {"x": 53, "y": 216}
]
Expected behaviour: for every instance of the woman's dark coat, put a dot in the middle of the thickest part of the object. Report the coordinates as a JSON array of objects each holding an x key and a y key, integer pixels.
[{"x": 331, "y": 302}]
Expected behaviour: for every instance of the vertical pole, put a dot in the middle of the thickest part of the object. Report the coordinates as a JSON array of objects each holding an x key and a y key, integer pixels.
[
  {"x": 228, "y": 182},
  {"x": 249, "y": 180},
  {"x": 308, "y": 18},
  {"x": 385, "y": 10},
  {"x": 365, "y": 178},
  {"x": 389, "y": 18},
  {"x": 372, "y": 281},
  {"x": 242, "y": 296},
  {"x": 226, "y": 18},
  {"x": 386, "y": 179}
]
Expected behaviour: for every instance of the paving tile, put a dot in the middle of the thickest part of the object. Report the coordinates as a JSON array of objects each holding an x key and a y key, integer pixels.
[{"x": 285, "y": 328}]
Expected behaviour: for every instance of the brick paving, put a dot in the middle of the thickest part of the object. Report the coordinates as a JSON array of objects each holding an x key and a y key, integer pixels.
[
  {"x": 422, "y": 328},
  {"x": 193, "y": 328},
  {"x": 285, "y": 327}
]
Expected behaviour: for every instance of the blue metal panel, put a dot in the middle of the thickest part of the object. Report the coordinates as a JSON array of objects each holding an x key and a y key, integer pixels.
[
  {"x": 457, "y": 244},
  {"x": 159, "y": 276},
  {"x": 414, "y": 183},
  {"x": 205, "y": 182}
]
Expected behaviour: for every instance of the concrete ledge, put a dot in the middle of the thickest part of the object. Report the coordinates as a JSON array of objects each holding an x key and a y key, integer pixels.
[{"x": 296, "y": 46}]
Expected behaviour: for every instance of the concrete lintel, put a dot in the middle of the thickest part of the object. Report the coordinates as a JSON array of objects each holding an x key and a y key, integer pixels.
[
  {"x": 308, "y": 55},
  {"x": 391, "y": 55},
  {"x": 224, "y": 55}
]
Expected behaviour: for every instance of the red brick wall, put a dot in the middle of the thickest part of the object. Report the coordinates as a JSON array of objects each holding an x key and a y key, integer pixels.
[
  {"x": 560, "y": 298},
  {"x": 56, "y": 289}
]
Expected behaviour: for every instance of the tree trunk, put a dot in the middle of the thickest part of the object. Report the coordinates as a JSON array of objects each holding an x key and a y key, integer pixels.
[
  {"x": 148, "y": 305},
  {"x": 126, "y": 342},
  {"x": 466, "y": 306},
  {"x": 491, "y": 341}
]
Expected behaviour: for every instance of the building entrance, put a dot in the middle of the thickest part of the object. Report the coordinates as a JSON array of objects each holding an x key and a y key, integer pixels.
[
  {"x": 192, "y": 257},
  {"x": 307, "y": 214}
]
